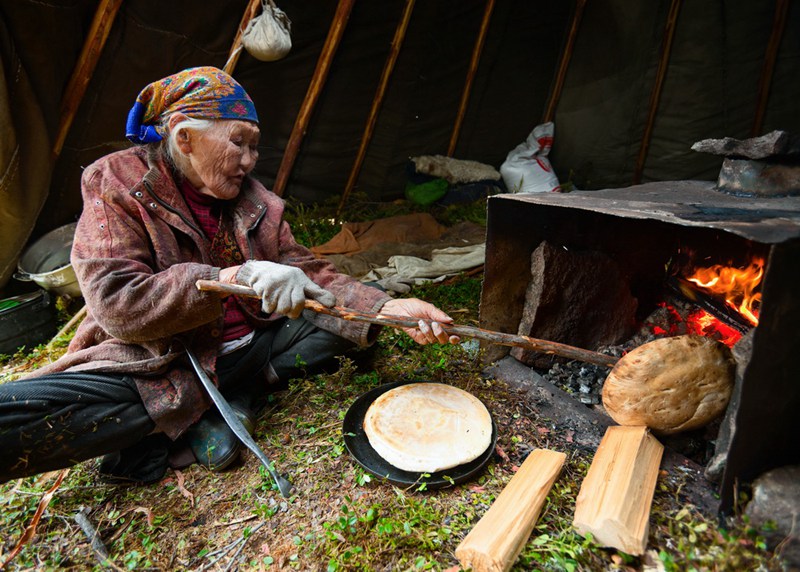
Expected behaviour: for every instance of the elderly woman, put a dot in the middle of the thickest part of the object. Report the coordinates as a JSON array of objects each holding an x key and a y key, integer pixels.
[{"x": 157, "y": 217}]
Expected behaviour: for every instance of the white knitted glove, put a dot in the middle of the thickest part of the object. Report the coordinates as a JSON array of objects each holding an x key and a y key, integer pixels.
[{"x": 283, "y": 289}]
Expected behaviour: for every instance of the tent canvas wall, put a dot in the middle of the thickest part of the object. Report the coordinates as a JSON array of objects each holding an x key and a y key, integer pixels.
[{"x": 710, "y": 89}]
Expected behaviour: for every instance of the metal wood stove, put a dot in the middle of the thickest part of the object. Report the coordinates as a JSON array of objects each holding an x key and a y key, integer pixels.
[{"x": 643, "y": 228}]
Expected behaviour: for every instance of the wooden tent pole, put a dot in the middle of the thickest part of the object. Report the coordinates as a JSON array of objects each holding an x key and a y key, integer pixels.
[
  {"x": 236, "y": 47},
  {"x": 770, "y": 56},
  {"x": 558, "y": 84},
  {"x": 655, "y": 96},
  {"x": 90, "y": 54},
  {"x": 335, "y": 34},
  {"x": 388, "y": 68},
  {"x": 473, "y": 67}
]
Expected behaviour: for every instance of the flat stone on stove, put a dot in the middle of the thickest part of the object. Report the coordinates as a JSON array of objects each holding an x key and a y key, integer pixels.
[{"x": 775, "y": 143}]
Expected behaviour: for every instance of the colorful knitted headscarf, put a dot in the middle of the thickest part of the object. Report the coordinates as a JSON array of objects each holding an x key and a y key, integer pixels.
[{"x": 202, "y": 93}]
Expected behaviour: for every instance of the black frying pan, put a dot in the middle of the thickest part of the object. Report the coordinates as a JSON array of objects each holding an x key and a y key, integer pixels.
[{"x": 355, "y": 439}]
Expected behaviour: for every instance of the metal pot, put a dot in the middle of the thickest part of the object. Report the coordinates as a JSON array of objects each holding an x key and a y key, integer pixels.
[{"x": 47, "y": 262}]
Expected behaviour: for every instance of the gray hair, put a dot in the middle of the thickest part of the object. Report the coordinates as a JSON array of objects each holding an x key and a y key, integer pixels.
[{"x": 169, "y": 145}]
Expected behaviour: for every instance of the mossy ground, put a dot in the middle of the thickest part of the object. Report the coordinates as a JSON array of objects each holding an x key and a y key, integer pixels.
[{"x": 340, "y": 517}]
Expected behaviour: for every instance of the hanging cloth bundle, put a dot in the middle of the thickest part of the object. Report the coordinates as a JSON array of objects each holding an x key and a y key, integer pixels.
[{"x": 268, "y": 35}]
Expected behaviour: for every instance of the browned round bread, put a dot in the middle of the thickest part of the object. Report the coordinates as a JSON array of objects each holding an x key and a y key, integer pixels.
[
  {"x": 428, "y": 427},
  {"x": 671, "y": 384}
]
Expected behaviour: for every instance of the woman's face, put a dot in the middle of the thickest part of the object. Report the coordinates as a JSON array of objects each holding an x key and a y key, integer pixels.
[{"x": 221, "y": 156}]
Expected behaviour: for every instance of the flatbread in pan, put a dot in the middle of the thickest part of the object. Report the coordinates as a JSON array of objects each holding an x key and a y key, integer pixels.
[{"x": 428, "y": 427}]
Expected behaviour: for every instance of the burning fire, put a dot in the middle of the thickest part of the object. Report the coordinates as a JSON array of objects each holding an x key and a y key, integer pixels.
[{"x": 737, "y": 286}]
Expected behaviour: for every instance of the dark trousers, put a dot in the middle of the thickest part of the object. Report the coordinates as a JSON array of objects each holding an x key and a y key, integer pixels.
[{"x": 58, "y": 420}]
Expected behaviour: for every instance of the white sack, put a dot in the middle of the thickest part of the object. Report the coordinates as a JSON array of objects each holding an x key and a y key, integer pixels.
[{"x": 527, "y": 168}]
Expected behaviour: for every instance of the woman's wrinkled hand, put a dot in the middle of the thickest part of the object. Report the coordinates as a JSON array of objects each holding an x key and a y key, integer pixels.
[{"x": 431, "y": 318}]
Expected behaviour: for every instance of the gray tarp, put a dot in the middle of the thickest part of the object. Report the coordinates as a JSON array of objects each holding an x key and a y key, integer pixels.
[{"x": 709, "y": 91}]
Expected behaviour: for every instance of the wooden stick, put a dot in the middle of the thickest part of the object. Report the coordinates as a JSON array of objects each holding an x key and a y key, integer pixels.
[
  {"x": 388, "y": 68},
  {"x": 543, "y": 346},
  {"x": 495, "y": 542},
  {"x": 82, "y": 74},
  {"x": 655, "y": 95},
  {"x": 335, "y": 34},
  {"x": 79, "y": 315},
  {"x": 99, "y": 549},
  {"x": 615, "y": 497},
  {"x": 558, "y": 84},
  {"x": 236, "y": 47},
  {"x": 473, "y": 67},
  {"x": 764, "y": 83}
]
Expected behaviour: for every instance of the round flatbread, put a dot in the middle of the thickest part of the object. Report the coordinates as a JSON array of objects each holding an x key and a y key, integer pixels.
[{"x": 428, "y": 427}]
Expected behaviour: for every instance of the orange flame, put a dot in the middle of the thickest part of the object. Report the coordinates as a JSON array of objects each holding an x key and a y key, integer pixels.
[{"x": 736, "y": 285}]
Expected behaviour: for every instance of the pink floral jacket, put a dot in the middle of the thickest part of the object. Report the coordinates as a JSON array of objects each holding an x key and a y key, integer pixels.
[{"x": 138, "y": 253}]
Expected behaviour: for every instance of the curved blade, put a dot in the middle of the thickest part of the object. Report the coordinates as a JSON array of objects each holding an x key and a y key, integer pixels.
[{"x": 284, "y": 486}]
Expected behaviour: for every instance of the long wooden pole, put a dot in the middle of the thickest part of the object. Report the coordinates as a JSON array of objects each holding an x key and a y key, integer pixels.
[
  {"x": 87, "y": 62},
  {"x": 655, "y": 95},
  {"x": 236, "y": 48},
  {"x": 771, "y": 55},
  {"x": 335, "y": 34},
  {"x": 473, "y": 67},
  {"x": 388, "y": 68},
  {"x": 543, "y": 346},
  {"x": 561, "y": 74}
]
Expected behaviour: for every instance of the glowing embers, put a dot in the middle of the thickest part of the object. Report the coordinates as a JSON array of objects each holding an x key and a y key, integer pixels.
[{"x": 680, "y": 319}]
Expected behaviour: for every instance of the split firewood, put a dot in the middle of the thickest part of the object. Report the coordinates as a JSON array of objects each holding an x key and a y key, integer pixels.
[
  {"x": 615, "y": 497},
  {"x": 495, "y": 542},
  {"x": 671, "y": 384}
]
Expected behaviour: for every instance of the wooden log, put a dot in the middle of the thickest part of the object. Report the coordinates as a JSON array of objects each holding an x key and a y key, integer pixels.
[
  {"x": 250, "y": 12},
  {"x": 558, "y": 84},
  {"x": 90, "y": 54},
  {"x": 349, "y": 314},
  {"x": 655, "y": 95},
  {"x": 388, "y": 68},
  {"x": 615, "y": 497},
  {"x": 717, "y": 308},
  {"x": 335, "y": 34},
  {"x": 473, "y": 68},
  {"x": 495, "y": 542}
]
